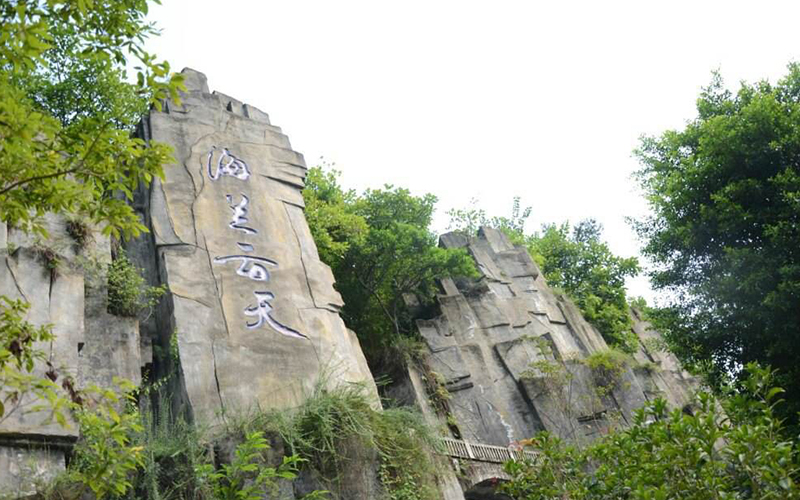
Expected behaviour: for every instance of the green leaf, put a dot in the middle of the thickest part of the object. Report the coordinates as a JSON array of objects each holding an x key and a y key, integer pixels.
[{"x": 774, "y": 392}]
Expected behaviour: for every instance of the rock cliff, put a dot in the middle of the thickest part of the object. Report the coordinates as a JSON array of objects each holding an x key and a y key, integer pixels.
[
  {"x": 251, "y": 313},
  {"x": 515, "y": 357},
  {"x": 59, "y": 279},
  {"x": 252, "y": 307}
]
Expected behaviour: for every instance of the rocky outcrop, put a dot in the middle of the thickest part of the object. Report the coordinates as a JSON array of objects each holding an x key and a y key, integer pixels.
[
  {"x": 516, "y": 358},
  {"x": 251, "y": 318},
  {"x": 62, "y": 281},
  {"x": 252, "y": 306}
]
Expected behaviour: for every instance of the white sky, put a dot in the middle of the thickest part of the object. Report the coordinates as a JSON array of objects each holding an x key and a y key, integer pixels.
[{"x": 491, "y": 100}]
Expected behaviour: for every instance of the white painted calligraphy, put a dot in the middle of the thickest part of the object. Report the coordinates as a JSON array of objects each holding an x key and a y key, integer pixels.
[
  {"x": 249, "y": 267},
  {"x": 252, "y": 267},
  {"x": 262, "y": 313},
  {"x": 227, "y": 164},
  {"x": 240, "y": 214}
]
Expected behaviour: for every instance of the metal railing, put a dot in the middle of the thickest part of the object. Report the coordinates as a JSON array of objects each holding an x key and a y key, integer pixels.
[{"x": 484, "y": 452}]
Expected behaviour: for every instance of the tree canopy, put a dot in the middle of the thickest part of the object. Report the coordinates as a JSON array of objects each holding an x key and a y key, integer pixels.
[
  {"x": 66, "y": 111},
  {"x": 577, "y": 261},
  {"x": 724, "y": 231},
  {"x": 381, "y": 250}
]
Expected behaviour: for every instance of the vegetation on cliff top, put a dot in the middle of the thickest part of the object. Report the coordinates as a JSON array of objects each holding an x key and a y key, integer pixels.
[
  {"x": 66, "y": 111},
  {"x": 380, "y": 248}
]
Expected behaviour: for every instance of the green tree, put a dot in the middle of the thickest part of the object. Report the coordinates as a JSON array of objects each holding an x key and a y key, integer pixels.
[
  {"x": 574, "y": 260},
  {"x": 66, "y": 112},
  {"x": 65, "y": 120},
  {"x": 577, "y": 261},
  {"x": 724, "y": 231},
  {"x": 66, "y": 115},
  {"x": 330, "y": 215},
  {"x": 380, "y": 248}
]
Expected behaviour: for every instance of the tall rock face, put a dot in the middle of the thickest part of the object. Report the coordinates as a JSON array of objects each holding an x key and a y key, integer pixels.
[
  {"x": 252, "y": 307},
  {"x": 517, "y": 358},
  {"x": 61, "y": 280},
  {"x": 251, "y": 318}
]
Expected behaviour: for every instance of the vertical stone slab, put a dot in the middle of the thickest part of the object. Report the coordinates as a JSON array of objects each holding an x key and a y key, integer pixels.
[
  {"x": 32, "y": 444},
  {"x": 254, "y": 309},
  {"x": 54, "y": 299},
  {"x": 89, "y": 346}
]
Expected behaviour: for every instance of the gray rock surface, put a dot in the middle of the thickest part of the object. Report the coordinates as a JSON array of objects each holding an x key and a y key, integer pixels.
[
  {"x": 54, "y": 298},
  {"x": 24, "y": 468},
  {"x": 251, "y": 320},
  {"x": 509, "y": 351},
  {"x": 112, "y": 346},
  {"x": 253, "y": 307},
  {"x": 91, "y": 347}
]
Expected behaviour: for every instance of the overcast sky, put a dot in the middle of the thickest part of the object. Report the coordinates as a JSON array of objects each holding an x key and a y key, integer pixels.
[{"x": 486, "y": 100}]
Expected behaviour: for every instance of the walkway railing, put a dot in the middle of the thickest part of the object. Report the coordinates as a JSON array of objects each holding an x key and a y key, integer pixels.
[{"x": 484, "y": 452}]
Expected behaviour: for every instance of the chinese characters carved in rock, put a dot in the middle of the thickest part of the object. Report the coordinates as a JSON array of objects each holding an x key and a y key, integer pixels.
[
  {"x": 250, "y": 266},
  {"x": 240, "y": 215},
  {"x": 227, "y": 164}
]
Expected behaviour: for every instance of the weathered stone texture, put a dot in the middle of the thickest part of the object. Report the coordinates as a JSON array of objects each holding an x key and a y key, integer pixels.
[
  {"x": 90, "y": 346},
  {"x": 509, "y": 352},
  {"x": 54, "y": 298},
  {"x": 23, "y": 469},
  {"x": 255, "y": 316},
  {"x": 253, "y": 307},
  {"x": 112, "y": 347}
]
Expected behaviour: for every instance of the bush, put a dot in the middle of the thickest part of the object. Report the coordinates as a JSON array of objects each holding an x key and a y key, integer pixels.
[
  {"x": 173, "y": 450},
  {"x": 131, "y": 455},
  {"x": 607, "y": 366},
  {"x": 79, "y": 230},
  {"x": 49, "y": 258},
  {"x": 106, "y": 456},
  {"x": 733, "y": 448},
  {"x": 127, "y": 293},
  {"x": 247, "y": 477}
]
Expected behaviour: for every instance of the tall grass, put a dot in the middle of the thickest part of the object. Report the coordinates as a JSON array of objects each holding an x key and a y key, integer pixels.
[
  {"x": 331, "y": 421},
  {"x": 173, "y": 450}
]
